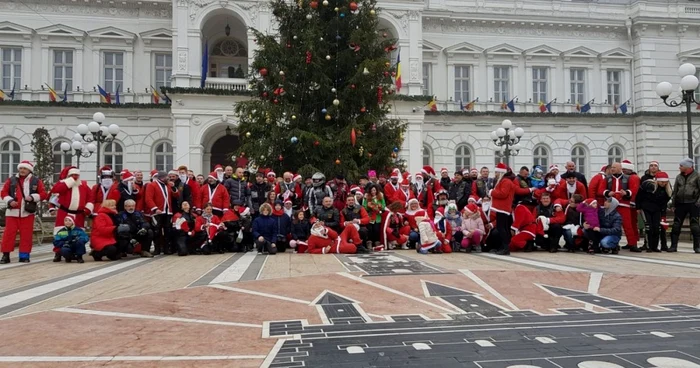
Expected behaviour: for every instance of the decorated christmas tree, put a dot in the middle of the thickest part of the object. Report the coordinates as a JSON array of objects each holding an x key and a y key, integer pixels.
[{"x": 324, "y": 84}]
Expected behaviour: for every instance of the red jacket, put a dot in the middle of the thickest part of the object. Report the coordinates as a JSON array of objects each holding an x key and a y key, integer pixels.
[
  {"x": 295, "y": 188},
  {"x": 502, "y": 196},
  {"x": 196, "y": 193},
  {"x": 184, "y": 226},
  {"x": 213, "y": 226},
  {"x": 402, "y": 196},
  {"x": 158, "y": 197},
  {"x": 523, "y": 220},
  {"x": 410, "y": 216},
  {"x": 612, "y": 184},
  {"x": 390, "y": 192},
  {"x": 23, "y": 189},
  {"x": 218, "y": 198},
  {"x": 559, "y": 217},
  {"x": 99, "y": 196},
  {"x": 554, "y": 194},
  {"x": 594, "y": 186},
  {"x": 141, "y": 197},
  {"x": 563, "y": 191},
  {"x": 364, "y": 217},
  {"x": 103, "y": 230}
]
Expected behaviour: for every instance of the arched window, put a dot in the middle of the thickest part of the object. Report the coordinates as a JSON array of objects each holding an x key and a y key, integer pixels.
[
  {"x": 163, "y": 156},
  {"x": 540, "y": 156},
  {"x": 427, "y": 156},
  {"x": 463, "y": 158},
  {"x": 114, "y": 156},
  {"x": 580, "y": 158},
  {"x": 9, "y": 158},
  {"x": 229, "y": 47},
  {"x": 615, "y": 154},
  {"x": 60, "y": 159}
]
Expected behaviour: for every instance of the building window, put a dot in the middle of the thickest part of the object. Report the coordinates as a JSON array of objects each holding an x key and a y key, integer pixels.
[
  {"x": 614, "y": 85},
  {"x": 164, "y": 156},
  {"x": 501, "y": 83},
  {"x": 463, "y": 158},
  {"x": 427, "y": 74},
  {"x": 540, "y": 157},
  {"x": 539, "y": 84},
  {"x": 11, "y": 71},
  {"x": 578, "y": 85},
  {"x": 615, "y": 154},
  {"x": 63, "y": 70},
  {"x": 427, "y": 156},
  {"x": 578, "y": 156},
  {"x": 9, "y": 159},
  {"x": 60, "y": 160},
  {"x": 462, "y": 83},
  {"x": 114, "y": 156},
  {"x": 114, "y": 70},
  {"x": 164, "y": 69}
]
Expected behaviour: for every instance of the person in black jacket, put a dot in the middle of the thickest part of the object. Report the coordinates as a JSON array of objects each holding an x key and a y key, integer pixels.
[
  {"x": 258, "y": 192},
  {"x": 185, "y": 192},
  {"x": 301, "y": 231},
  {"x": 139, "y": 230},
  {"x": 652, "y": 199}
]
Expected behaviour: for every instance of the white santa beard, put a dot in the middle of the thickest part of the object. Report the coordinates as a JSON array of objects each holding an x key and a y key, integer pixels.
[
  {"x": 74, "y": 198},
  {"x": 571, "y": 188}
]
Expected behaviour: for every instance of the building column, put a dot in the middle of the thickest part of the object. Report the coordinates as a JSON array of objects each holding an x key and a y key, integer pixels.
[
  {"x": 180, "y": 44},
  {"x": 412, "y": 69},
  {"x": 412, "y": 149},
  {"x": 48, "y": 65},
  {"x": 196, "y": 160},
  {"x": 181, "y": 140},
  {"x": 78, "y": 74}
]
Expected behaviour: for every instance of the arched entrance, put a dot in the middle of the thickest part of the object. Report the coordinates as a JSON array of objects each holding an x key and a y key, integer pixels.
[
  {"x": 226, "y": 35},
  {"x": 223, "y": 152}
]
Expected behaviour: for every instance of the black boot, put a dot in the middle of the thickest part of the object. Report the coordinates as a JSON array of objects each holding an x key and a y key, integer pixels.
[
  {"x": 79, "y": 259},
  {"x": 68, "y": 258},
  {"x": 696, "y": 244},
  {"x": 635, "y": 250},
  {"x": 181, "y": 246},
  {"x": 5, "y": 258},
  {"x": 503, "y": 252},
  {"x": 674, "y": 243},
  {"x": 57, "y": 257}
]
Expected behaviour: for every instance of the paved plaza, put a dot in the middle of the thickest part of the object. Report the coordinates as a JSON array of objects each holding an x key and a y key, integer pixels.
[{"x": 389, "y": 309}]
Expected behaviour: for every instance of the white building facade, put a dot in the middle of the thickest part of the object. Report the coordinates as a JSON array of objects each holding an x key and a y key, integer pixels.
[{"x": 461, "y": 51}]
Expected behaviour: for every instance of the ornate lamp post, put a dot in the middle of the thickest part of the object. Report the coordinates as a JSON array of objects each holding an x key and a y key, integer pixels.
[
  {"x": 507, "y": 140},
  {"x": 96, "y": 134},
  {"x": 78, "y": 148},
  {"x": 689, "y": 82}
]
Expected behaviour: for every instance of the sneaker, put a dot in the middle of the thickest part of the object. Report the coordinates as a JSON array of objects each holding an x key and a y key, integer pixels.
[
  {"x": 259, "y": 253},
  {"x": 57, "y": 257},
  {"x": 616, "y": 250},
  {"x": 477, "y": 249},
  {"x": 404, "y": 247},
  {"x": 79, "y": 259},
  {"x": 145, "y": 254}
]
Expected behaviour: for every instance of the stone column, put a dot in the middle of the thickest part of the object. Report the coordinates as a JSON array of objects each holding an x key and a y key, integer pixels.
[
  {"x": 182, "y": 141},
  {"x": 180, "y": 44}
]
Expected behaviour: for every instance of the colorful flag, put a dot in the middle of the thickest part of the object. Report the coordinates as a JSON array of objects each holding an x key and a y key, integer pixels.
[
  {"x": 470, "y": 105},
  {"x": 156, "y": 95},
  {"x": 105, "y": 97},
  {"x": 118, "y": 102},
  {"x": 578, "y": 107},
  {"x": 586, "y": 108},
  {"x": 511, "y": 105},
  {"x": 433, "y": 105},
  {"x": 461, "y": 105},
  {"x": 205, "y": 65},
  {"x": 2, "y": 95},
  {"x": 53, "y": 96},
  {"x": 543, "y": 107},
  {"x": 398, "y": 72},
  {"x": 65, "y": 94},
  {"x": 623, "y": 108},
  {"x": 12, "y": 93},
  {"x": 548, "y": 106}
]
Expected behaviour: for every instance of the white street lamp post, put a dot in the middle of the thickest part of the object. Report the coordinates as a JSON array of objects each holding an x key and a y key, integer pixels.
[
  {"x": 689, "y": 82},
  {"x": 507, "y": 140}
]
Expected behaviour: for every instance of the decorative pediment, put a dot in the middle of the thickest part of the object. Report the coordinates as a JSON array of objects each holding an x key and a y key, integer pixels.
[
  {"x": 112, "y": 33},
  {"x": 503, "y": 49},
  {"x": 580, "y": 52},
  {"x": 160, "y": 34},
  {"x": 619, "y": 54},
  {"x": 542, "y": 51},
  {"x": 9, "y": 28},
  {"x": 60, "y": 30},
  {"x": 685, "y": 56},
  {"x": 464, "y": 48},
  {"x": 431, "y": 48}
]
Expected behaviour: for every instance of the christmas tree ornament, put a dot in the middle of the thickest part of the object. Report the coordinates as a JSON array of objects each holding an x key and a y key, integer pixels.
[
  {"x": 294, "y": 117},
  {"x": 387, "y": 64},
  {"x": 313, "y": 4},
  {"x": 308, "y": 16},
  {"x": 328, "y": 117},
  {"x": 364, "y": 71},
  {"x": 374, "y": 127},
  {"x": 393, "y": 155},
  {"x": 352, "y": 86},
  {"x": 263, "y": 72},
  {"x": 336, "y": 102},
  {"x": 264, "y": 94},
  {"x": 369, "y": 155},
  {"x": 289, "y": 45},
  {"x": 386, "y": 74},
  {"x": 333, "y": 90},
  {"x": 353, "y": 137},
  {"x": 361, "y": 150},
  {"x": 380, "y": 94},
  {"x": 321, "y": 39},
  {"x": 337, "y": 161},
  {"x": 294, "y": 140},
  {"x": 396, "y": 149},
  {"x": 281, "y": 158},
  {"x": 294, "y": 38},
  {"x": 336, "y": 9},
  {"x": 342, "y": 15},
  {"x": 325, "y": 2},
  {"x": 316, "y": 143},
  {"x": 363, "y": 109},
  {"x": 352, "y": 6},
  {"x": 262, "y": 157},
  {"x": 328, "y": 57},
  {"x": 308, "y": 57},
  {"x": 247, "y": 134},
  {"x": 275, "y": 101},
  {"x": 372, "y": 12},
  {"x": 393, "y": 74},
  {"x": 282, "y": 73},
  {"x": 323, "y": 110},
  {"x": 314, "y": 86}
]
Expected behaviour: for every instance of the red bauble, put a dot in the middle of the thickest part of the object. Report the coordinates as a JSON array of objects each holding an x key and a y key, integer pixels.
[
  {"x": 352, "y": 86},
  {"x": 337, "y": 161},
  {"x": 386, "y": 74},
  {"x": 289, "y": 45},
  {"x": 280, "y": 158},
  {"x": 353, "y": 6},
  {"x": 393, "y": 74},
  {"x": 275, "y": 101},
  {"x": 264, "y": 94},
  {"x": 276, "y": 92},
  {"x": 385, "y": 35},
  {"x": 313, "y": 4},
  {"x": 317, "y": 143},
  {"x": 363, "y": 109},
  {"x": 374, "y": 127},
  {"x": 353, "y": 137},
  {"x": 369, "y": 155},
  {"x": 263, "y": 72}
]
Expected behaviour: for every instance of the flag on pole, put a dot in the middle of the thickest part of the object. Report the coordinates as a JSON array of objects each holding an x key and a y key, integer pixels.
[
  {"x": 470, "y": 105},
  {"x": 543, "y": 107},
  {"x": 2, "y": 95},
  {"x": 118, "y": 102},
  {"x": 548, "y": 106},
  {"x": 398, "y": 72},
  {"x": 623, "y": 108},
  {"x": 578, "y": 107},
  {"x": 12, "y": 93},
  {"x": 105, "y": 97},
  {"x": 65, "y": 94},
  {"x": 587, "y": 107},
  {"x": 511, "y": 105},
  {"x": 53, "y": 96},
  {"x": 205, "y": 65},
  {"x": 461, "y": 105},
  {"x": 155, "y": 95},
  {"x": 432, "y": 104}
]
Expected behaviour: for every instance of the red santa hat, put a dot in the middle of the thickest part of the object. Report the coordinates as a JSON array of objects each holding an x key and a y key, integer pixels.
[
  {"x": 396, "y": 173},
  {"x": 354, "y": 189},
  {"x": 154, "y": 173},
  {"x": 473, "y": 170},
  {"x": 287, "y": 201},
  {"x": 404, "y": 183},
  {"x": 296, "y": 177},
  {"x": 218, "y": 168},
  {"x": 73, "y": 171},
  {"x": 553, "y": 167},
  {"x": 472, "y": 199},
  {"x": 661, "y": 176},
  {"x": 444, "y": 170},
  {"x": 501, "y": 168},
  {"x": 441, "y": 211},
  {"x": 27, "y": 165},
  {"x": 173, "y": 172},
  {"x": 106, "y": 171},
  {"x": 591, "y": 202},
  {"x": 420, "y": 174},
  {"x": 441, "y": 191},
  {"x": 271, "y": 174},
  {"x": 654, "y": 163},
  {"x": 71, "y": 217},
  {"x": 465, "y": 172},
  {"x": 557, "y": 204},
  {"x": 471, "y": 208},
  {"x": 213, "y": 175},
  {"x": 602, "y": 169},
  {"x": 126, "y": 175},
  {"x": 406, "y": 175},
  {"x": 420, "y": 214},
  {"x": 627, "y": 165},
  {"x": 428, "y": 171}
]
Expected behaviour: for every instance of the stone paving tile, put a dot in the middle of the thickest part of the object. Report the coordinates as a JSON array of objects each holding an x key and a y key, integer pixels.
[
  {"x": 457, "y": 261},
  {"x": 32, "y": 273},
  {"x": 247, "y": 363}
]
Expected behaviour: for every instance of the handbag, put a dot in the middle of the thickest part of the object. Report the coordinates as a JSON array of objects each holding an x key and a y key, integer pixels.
[{"x": 30, "y": 207}]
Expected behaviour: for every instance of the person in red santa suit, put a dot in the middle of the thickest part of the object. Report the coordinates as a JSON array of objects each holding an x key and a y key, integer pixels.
[
  {"x": 523, "y": 228},
  {"x": 215, "y": 193},
  {"x": 289, "y": 189},
  {"x": 412, "y": 211},
  {"x": 502, "y": 203},
  {"x": 424, "y": 190},
  {"x": 623, "y": 188},
  {"x": 596, "y": 181},
  {"x": 404, "y": 194},
  {"x": 395, "y": 228},
  {"x": 431, "y": 181},
  {"x": 442, "y": 225},
  {"x": 569, "y": 186},
  {"x": 161, "y": 196},
  {"x": 635, "y": 183},
  {"x": 551, "y": 187},
  {"x": 73, "y": 197},
  {"x": 324, "y": 240},
  {"x": 392, "y": 186},
  {"x": 105, "y": 189},
  {"x": 432, "y": 237},
  {"x": 209, "y": 224},
  {"x": 22, "y": 193}
]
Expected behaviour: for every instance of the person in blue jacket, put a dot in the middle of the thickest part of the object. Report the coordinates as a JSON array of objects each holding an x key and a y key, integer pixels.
[
  {"x": 609, "y": 233},
  {"x": 69, "y": 242},
  {"x": 265, "y": 230}
]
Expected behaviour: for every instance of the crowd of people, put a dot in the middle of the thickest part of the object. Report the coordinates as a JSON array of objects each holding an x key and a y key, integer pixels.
[{"x": 229, "y": 210}]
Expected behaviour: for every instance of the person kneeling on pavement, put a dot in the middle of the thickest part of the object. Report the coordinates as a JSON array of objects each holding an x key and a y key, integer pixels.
[
  {"x": 103, "y": 239},
  {"x": 187, "y": 238},
  {"x": 609, "y": 233},
  {"x": 134, "y": 230},
  {"x": 265, "y": 230},
  {"x": 215, "y": 238},
  {"x": 70, "y": 241}
]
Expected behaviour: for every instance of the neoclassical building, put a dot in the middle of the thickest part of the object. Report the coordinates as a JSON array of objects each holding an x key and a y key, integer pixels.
[{"x": 488, "y": 52}]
